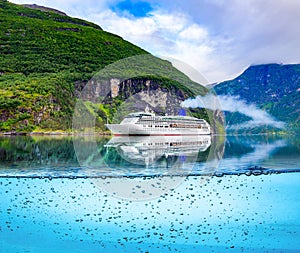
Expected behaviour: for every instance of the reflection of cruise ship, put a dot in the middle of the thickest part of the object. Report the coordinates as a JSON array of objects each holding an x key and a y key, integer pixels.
[
  {"x": 146, "y": 150},
  {"x": 143, "y": 123}
]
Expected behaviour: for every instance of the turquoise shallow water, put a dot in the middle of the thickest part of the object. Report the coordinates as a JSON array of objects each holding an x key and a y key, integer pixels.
[
  {"x": 253, "y": 214},
  {"x": 201, "y": 212}
]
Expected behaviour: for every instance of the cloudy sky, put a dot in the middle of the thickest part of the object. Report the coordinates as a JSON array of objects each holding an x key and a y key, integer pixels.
[{"x": 219, "y": 38}]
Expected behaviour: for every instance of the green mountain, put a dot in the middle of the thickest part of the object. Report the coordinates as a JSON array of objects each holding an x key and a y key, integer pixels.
[
  {"x": 47, "y": 57},
  {"x": 275, "y": 88}
]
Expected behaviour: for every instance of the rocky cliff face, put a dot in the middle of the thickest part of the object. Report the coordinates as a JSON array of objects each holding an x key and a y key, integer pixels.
[{"x": 135, "y": 94}]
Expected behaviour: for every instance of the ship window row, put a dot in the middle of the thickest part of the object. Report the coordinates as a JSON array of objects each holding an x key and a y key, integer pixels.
[
  {"x": 171, "y": 123},
  {"x": 183, "y": 119},
  {"x": 168, "y": 121},
  {"x": 175, "y": 126},
  {"x": 154, "y": 126}
]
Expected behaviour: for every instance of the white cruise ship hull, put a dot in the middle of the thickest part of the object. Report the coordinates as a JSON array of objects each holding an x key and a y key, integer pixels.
[{"x": 136, "y": 130}]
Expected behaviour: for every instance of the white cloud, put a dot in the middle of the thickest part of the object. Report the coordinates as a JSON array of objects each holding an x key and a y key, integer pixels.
[
  {"x": 194, "y": 33},
  {"x": 234, "y": 104},
  {"x": 258, "y": 31}
]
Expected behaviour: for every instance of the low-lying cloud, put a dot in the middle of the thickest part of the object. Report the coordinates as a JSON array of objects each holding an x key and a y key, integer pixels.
[{"x": 234, "y": 104}]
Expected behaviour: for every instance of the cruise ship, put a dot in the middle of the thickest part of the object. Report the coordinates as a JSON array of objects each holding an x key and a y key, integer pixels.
[{"x": 143, "y": 123}]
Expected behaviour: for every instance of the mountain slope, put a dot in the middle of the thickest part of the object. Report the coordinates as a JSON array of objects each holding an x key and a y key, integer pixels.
[
  {"x": 274, "y": 88},
  {"x": 47, "y": 42},
  {"x": 45, "y": 59}
]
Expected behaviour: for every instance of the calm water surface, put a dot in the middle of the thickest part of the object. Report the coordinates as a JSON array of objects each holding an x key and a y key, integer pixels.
[{"x": 239, "y": 194}]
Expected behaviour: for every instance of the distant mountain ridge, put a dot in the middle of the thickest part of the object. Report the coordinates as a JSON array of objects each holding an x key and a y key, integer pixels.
[{"x": 274, "y": 88}]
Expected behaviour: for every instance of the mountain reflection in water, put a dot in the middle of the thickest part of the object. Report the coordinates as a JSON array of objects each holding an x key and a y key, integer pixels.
[{"x": 146, "y": 156}]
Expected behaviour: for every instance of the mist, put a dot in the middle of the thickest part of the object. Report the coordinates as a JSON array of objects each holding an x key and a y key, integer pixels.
[{"x": 234, "y": 104}]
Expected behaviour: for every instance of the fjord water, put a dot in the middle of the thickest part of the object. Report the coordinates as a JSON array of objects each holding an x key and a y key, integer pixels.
[{"x": 238, "y": 195}]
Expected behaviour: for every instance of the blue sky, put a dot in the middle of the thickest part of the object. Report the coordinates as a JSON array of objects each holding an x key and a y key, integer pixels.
[
  {"x": 138, "y": 9},
  {"x": 216, "y": 37}
]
